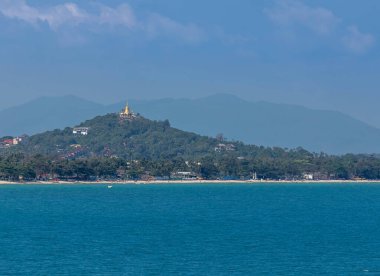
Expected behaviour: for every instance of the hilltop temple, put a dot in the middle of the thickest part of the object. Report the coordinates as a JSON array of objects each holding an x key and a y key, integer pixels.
[{"x": 127, "y": 113}]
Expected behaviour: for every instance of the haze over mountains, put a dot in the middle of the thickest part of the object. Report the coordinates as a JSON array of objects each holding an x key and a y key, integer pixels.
[{"x": 259, "y": 123}]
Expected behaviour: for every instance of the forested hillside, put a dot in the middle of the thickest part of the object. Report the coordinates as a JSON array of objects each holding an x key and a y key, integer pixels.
[
  {"x": 108, "y": 136},
  {"x": 144, "y": 149}
]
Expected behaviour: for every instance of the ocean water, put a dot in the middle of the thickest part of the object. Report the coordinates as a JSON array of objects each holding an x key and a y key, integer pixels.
[{"x": 203, "y": 229}]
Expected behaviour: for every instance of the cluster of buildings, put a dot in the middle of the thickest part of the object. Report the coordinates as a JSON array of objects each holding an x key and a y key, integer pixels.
[
  {"x": 10, "y": 141},
  {"x": 75, "y": 151},
  {"x": 225, "y": 147},
  {"x": 184, "y": 175},
  {"x": 81, "y": 131}
]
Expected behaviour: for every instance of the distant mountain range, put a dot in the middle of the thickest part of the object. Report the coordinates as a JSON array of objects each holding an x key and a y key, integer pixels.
[
  {"x": 47, "y": 113},
  {"x": 259, "y": 123}
]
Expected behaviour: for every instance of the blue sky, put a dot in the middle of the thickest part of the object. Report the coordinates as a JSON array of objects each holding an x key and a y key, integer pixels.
[{"x": 321, "y": 54}]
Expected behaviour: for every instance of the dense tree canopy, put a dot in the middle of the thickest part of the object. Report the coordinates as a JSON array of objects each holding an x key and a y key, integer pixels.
[{"x": 18, "y": 166}]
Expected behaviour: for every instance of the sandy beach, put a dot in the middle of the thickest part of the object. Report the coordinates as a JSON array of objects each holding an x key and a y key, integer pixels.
[{"x": 140, "y": 182}]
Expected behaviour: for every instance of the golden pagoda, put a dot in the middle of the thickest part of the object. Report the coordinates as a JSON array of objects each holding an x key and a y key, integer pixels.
[{"x": 127, "y": 113}]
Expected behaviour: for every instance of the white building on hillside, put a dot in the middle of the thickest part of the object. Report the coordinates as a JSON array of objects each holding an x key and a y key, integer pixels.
[{"x": 81, "y": 131}]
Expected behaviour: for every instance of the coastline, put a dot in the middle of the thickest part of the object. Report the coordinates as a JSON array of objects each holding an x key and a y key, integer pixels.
[{"x": 141, "y": 182}]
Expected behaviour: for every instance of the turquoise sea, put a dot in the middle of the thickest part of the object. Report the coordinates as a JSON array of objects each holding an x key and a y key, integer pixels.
[{"x": 203, "y": 229}]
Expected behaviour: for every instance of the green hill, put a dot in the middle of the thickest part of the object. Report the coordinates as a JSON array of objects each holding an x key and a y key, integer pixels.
[
  {"x": 144, "y": 139},
  {"x": 108, "y": 136},
  {"x": 139, "y": 148}
]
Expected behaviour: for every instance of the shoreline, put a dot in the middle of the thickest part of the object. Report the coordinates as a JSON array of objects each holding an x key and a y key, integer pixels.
[{"x": 141, "y": 182}]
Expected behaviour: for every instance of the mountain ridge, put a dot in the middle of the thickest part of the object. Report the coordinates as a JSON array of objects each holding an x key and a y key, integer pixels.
[{"x": 261, "y": 123}]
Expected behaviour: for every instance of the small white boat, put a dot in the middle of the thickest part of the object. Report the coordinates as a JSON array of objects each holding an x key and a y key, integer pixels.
[{"x": 109, "y": 186}]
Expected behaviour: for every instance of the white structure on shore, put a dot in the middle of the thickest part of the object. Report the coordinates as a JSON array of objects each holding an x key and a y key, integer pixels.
[
  {"x": 254, "y": 176},
  {"x": 308, "y": 176}
]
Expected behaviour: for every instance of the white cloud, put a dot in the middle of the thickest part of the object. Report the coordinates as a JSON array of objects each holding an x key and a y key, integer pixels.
[
  {"x": 157, "y": 25},
  {"x": 70, "y": 15},
  {"x": 357, "y": 41},
  {"x": 290, "y": 12},
  {"x": 65, "y": 14},
  {"x": 321, "y": 21},
  {"x": 123, "y": 15}
]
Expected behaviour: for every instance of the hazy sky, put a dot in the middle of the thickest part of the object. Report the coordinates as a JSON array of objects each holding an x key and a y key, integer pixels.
[{"x": 321, "y": 54}]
